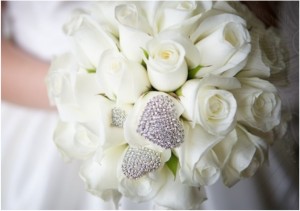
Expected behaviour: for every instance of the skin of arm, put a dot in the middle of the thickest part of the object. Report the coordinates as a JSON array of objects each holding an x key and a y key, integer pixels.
[{"x": 23, "y": 77}]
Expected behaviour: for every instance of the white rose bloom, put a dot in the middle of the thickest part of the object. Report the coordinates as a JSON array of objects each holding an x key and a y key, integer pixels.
[
  {"x": 207, "y": 170},
  {"x": 208, "y": 103},
  {"x": 61, "y": 78},
  {"x": 259, "y": 104},
  {"x": 242, "y": 10},
  {"x": 104, "y": 14},
  {"x": 166, "y": 65},
  {"x": 196, "y": 165},
  {"x": 89, "y": 40},
  {"x": 182, "y": 16},
  {"x": 229, "y": 33},
  {"x": 74, "y": 93},
  {"x": 111, "y": 121},
  {"x": 154, "y": 122},
  {"x": 123, "y": 80},
  {"x": 246, "y": 156},
  {"x": 255, "y": 66},
  {"x": 223, "y": 148},
  {"x": 134, "y": 31},
  {"x": 171, "y": 14},
  {"x": 102, "y": 126},
  {"x": 273, "y": 53},
  {"x": 149, "y": 9},
  {"x": 187, "y": 197},
  {"x": 191, "y": 52},
  {"x": 100, "y": 175},
  {"x": 86, "y": 100},
  {"x": 267, "y": 56},
  {"x": 267, "y": 53},
  {"x": 75, "y": 140},
  {"x": 144, "y": 188}
]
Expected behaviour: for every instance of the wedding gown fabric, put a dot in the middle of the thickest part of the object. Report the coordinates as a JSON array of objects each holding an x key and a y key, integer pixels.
[{"x": 34, "y": 176}]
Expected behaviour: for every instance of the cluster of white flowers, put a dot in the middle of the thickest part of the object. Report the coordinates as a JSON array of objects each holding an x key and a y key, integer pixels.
[{"x": 159, "y": 98}]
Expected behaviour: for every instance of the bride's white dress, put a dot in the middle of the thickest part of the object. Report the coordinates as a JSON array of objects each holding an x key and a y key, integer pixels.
[{"x": 34, "y": 176}]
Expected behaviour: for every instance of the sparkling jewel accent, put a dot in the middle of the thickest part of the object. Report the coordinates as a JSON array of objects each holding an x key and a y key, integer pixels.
[
  {"x": 139, "y": 161},
  {"x": 118, "y": 117},
  {"x": 159, "y": 123}
]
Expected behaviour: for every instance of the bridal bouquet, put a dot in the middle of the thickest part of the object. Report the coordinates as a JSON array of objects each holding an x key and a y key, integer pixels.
[{"x": 160, "y": 99}]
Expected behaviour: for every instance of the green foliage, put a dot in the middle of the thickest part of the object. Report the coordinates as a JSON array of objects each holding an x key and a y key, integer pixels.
[
  {"x": 91, "y": 70},
  {"x": 146, "y": 54},
  {"x": 193, "y": 72},
  {"x": 172, "y": 164}
]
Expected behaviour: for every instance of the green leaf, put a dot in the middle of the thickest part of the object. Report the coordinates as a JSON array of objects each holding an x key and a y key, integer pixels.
[
  {"x": 104, "y": 95},
  {"x": 172, "y": 164},
  {"x": 145, "y": 53},
  {"x": 144, "y": 64},
  {"x": 179, "y": 92},
  {"x": 173, "y": 95},
  {"x": 91, "y": 70},
  {"x": 193, "y": 72}
]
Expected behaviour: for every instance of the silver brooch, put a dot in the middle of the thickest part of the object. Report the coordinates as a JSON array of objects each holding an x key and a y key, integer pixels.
[
  {"x": 118, "y": 117},
  {"x": 139, "y": 161},
  {"x": 159, "y": 123}
]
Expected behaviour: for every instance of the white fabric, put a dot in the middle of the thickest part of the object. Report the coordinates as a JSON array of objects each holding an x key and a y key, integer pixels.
[{"x": 34, "y": 176}]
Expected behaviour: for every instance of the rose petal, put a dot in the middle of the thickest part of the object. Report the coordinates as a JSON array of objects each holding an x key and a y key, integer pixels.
[
  {"x": 134, "y": 31},
  {"x": 144, "y": 188},
  {"x": 75, "y": 140},
  {"x": 94, "y": 174},
  {"x": 187, "y": 197},
  {"x": 198, "y": 142},
  {"x": 89, "y": 40}
]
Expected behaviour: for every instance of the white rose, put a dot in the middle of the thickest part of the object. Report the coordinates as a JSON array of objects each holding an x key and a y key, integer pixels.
[
  {"x": 100, "y": 175},
  {"x": 182, "y": 15},
  {"x": 196, "y": 164},
  {"x": 208, "y": 103},
  {"x": 229, "y": 33},
  {"x": 110, "y": 121},
  {"x": 191, "y": 52},
  {"x": 274, "y": 53},
  {"x": 144, "y": 186},
  {"x": 187, "y": 197},
  {"x": 255, "y": 66},
  {"x": 75, "y": 140},
  {"x": 259, "y": 104},
  {"x": 89, "y": 40},
  {"x": 73, "y": 92},
  {"x": 142, "y": 189},
  {"x": 173, "y": 13},
  {"x": 149, "y": 9},
  {"x": 154, "y": 122},
  {"x": 123, "y": 80},
  {"x": 101, "y": 126},
  {"x": 242, "y": 10},
  {"x": 246, "y": 156},
  {"x": 223, "y": 148},
  {"x": 104, "y": 13},
  {"x": 207, "y": 170},
  {"x": 166, "y": 65},
  {"x": 61, "y": 77},
  {"x": 267, "y": 56},
  {"x": 134, "y": 31}
]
